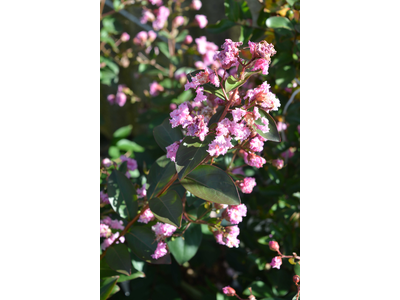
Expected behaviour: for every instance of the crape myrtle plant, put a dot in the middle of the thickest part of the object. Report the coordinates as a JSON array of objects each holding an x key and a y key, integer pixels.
[{"x": 218, "y": 129}]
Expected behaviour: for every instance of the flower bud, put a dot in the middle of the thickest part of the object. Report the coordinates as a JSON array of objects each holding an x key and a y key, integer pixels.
[
  {"x": 273, "y": 245},
  {"x": 296, "y": 279},
  {"x": 252, "y": 297},
  {"x": 125, "y": 37},
  {"x": 229, "y": 291},
  {"x": 188, "y": 39}
]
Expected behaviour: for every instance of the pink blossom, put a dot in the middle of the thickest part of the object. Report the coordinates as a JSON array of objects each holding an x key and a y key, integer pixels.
[
  {"x": 172, "y": 106},
  {"x": 199, "y": 79},
  {"x": 180, "y": 116},
  {"x": 147, "y": 15},
  {"x": 141, "y": 192},
  {"x": 200, "y": 97},
  {"x": 238, "y": 171},
  {"x": 234, "y": 213},
  {"x": 106, "y": 162},
  {"x": 219, "y": 146},
  {"x": 131, "y": 163},
  {"x": 198, "y": 128},
  {"x": 276, "y": 262},
  {"x": 261, "y": 64},
  {"x": 155, "y": 88},
  {"x": 108, "y": 241},
  {"x": 219, "y": 237},
  {"x": 214, "y": 79},
  {"x": 163, "y": 230},
  {"x": 146, "y": 216},
  {"x": 278, "y": 163},
  {"x": 238, "y": 114},
  {"x": 104, "y": 198},
  {"x": 206, "y": 49},
  {"x": 239, "y": 131},
  {"x": 201, "y": 20},
  {"x": 172, "y": 149},
  {"x": 231, "y": 236},
  {"x": 188, "y": 39},
  {"x": 273, "y": 245},
  {"x": 247, "y": 185},
  {"x": 178, "y": 21},
  {"x": 161, "y": 17},
  {"x": 125, "y": 37},
  {"x": 114, "y": 224},
  {"x": 229, "y": 55},
  {"x": 111, "y": 98},
  {"x": 253, "y": 160},
  {"x": 281, "y": 126},
  {"x": 141, "y": 38},
  {"x": 160, "y": 251},
  {"x": 105, "y": 230},
  {"x": 152, "y": 35},
  {"x": 156, "y": 2},
  {"x": 262, "y": 50},
  {"x": 120, "y": 99},
  {"x": 264, "y": 128},
  {"x": 196, "y": 4},
  {"x": 223, "y": 127},
  {"x": 262, "y": 96},
  {"x": 288, "y": 153},
  {"x": 256, "y": 144}
]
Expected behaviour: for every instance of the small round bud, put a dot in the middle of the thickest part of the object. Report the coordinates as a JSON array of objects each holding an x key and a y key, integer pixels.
[
  {"x": 274, "y": 246},
  {"x": 229, "y": 291},
  {"x": 252, "y": 297},
  {"x": 296, "y": 279}
]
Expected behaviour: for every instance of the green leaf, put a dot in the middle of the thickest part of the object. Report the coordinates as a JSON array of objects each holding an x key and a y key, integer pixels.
[
  {"x": 118, "y": 258},
  {"x": 212, "y": 184},
  {"x": 161, "y": 172},
  {"x": 233, "y": 83},
  {"x": 134, "y": 275},
  {"x": 259, "y": 289},
  {"x": 208, "y": 87},
  {"x": 272, "y": 134},
  {"x": 191, "y": 153},
  {"x": 183, "y": 249},
  {"x": 122, "y": 195},
  {"x": 106, "y": 287},
  {"x": 279, "y": 22},
  {"x": 245, "y": 34},
  {"x": 163, "y": 48},
  {"x": 165, "y": 135},
  {"x": 127, "y": 145},
  {"x": 220, "y": 26},
  {"x": 181, "y": 36},
  {"x": 123, "y": 132},
  {"x": 215, "y": 117},
  {"x": 285, "y": 75},
  {"x": 167, "y": 208},
  {"x": 141, "y": 240}
]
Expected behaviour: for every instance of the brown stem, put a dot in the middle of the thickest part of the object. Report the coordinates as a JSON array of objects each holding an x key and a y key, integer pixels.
[{"x": 102, "y": 7}]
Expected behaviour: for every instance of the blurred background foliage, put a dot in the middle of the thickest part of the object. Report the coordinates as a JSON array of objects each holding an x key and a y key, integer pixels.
[{"x": 274, "y": 205}]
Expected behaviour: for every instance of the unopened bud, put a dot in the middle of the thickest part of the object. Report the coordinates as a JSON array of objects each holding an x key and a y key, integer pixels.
[
  {"x": 296, "y": 279},
  {"x": 229, "y": 291},
  {"x": 252, "y": 297},
  {"x": 274, "y": 246}
]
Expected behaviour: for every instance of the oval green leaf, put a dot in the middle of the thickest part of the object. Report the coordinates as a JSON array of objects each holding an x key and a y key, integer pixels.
[
  {"x": 118, "y": 258},
  {"x": 272, "y": 134},
  {"x": 165, "y": 135},
  {"x": 212, "y": 184},
  {"x": 122, "y": 195},
  {"x": 167, "y": 208},
  {"x": 232, "y": 83},
  {"x": 279, "y": 22},
  {"x": 184, "y": 249},
  {"x": 106, "y": 287},
  {"x": 123, "y": 132},
  {"x": 141, "y": 240},
  {"x": 161, "y": 172}
]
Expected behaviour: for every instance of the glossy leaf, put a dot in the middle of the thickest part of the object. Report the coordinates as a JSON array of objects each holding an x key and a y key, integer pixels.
[
  {"x": 122, "y": 195},
  {"x": 167, "y": 208},
  {"x": 165, "y": 135},
  {"x": 279, "y": 22},
  {"x": 161, "y": 172},
  {"x": 141, "y": 240},
  {"x": 212, "y": 184},
  {"x": 118, "y": 258},
  {"x": 123, "y": 132},
  {"x": 128, "y": 145},
  {"x": 233, "y": 83},
  {"x": 208, "y": 87},
  {"x": 191, "y": 153},
  {"x": 272, "y": 134},
  {"x": 106, "y": 287},
  {"x": 184, "y": 249}
]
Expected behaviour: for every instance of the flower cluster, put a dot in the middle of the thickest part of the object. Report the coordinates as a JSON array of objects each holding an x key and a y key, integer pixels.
[
  {"x": 106, "y": 225},
  {"x": 104, "y": 198},
  {"x": 131, "y": 164},
  {"x": 120, "y": 97},
  {"x": 162, "y": 231}
]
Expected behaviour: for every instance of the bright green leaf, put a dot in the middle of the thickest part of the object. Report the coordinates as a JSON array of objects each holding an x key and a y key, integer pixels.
[
  {"x": 279, "y": 22},
  {"x": 127, "y": 145},
  {"x": 123, "y": 132},
  {"x": 184, "y": 249}
]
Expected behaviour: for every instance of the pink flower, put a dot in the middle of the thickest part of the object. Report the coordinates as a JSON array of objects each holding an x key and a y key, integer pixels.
[
  {"x": 172, "y": 149},
  {"x": 106, "y": 162},
  {"x": 156, "y": 2},
  {"x": 131, "y": 163},
  {"x": 264, "y": 128},
  {"x": 262, "y": 50},
  {"x": 276, "y": 262},
  {"x": 141, "y": 38},
  {"x": 104, "y": 198},
  {"x": 200, "y": 97},
  {"x": 111, "y": 98},
  {"x": 240, "y": 131},
  {"x": 141, "y": 192},
  {"x": 178, "y": 21},
  {"x": 278, "y": 163},
  {"x": 152, "y": 35},
  {"x": 262, "y": 96},
  {"x": 188, "y": 39},
  {"x": 261, "y": 64},
  {"x": 172, "y": 106},
  {"x": 161, "y": 17},
  {"x": 253, "y": 160},
  {"x": 214, "y": 79},
  {"x": 108, "y": 241},
  {"x": 281, "y": 126},
  {"x": 238, "y": 114},
  {"x": 273, "y": 245},
  {"x": 229, "y": 55},
  {"x": 288, "y": 153},
  {"x": 125, "y": 37},
  {"x": 199, "y": 79},
  {"x": 146, "y": 216},
  {"x": 206, "y": 49},
  {"x": 201, "y": 20},
  {"x": 231, "y": 236},
  {"x": 219, "y": 146},
  {"x": 120, "y": 99},
  {"x": 155, "y": 88},
  {"x": 219, "y": 237},
  {"x": 105, "y": 230},
  {"x": 163, "y": 230},
  {"x": 247, "y": 185},
  {"x": 198, "y": 128},
  {"x": 256, "y": 144},
  {"x": 234, "y": 213},
  {"x": 180, "y": 116},
  {"x": 238, "y": 171},
  {"x": 114, "y": 224},
  {"x": 223, "y": 127},
  {"x": 160, "y": 251},
  {"x": 228, "y": 291},
  {"x": 147, "y": 16},
  {"x": 196, "y": 4}
]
